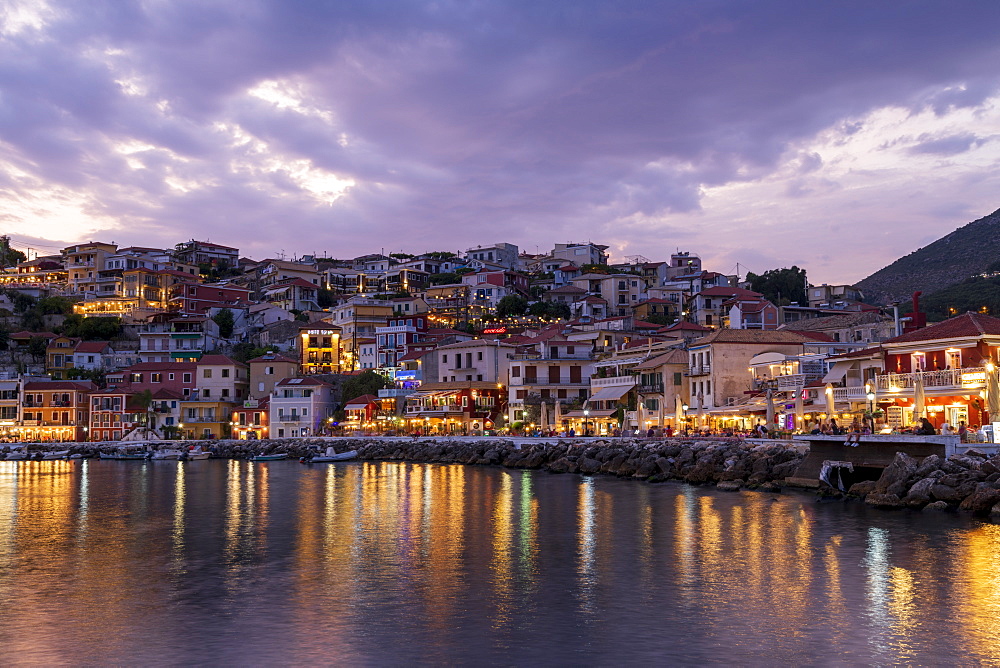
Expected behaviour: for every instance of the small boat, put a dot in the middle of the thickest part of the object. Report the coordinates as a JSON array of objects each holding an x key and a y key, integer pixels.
[
  {"x": 330, "y": 456},
  {"x": 17, "y": 453},
  {"x": 55, "y": 454},
  {"x": 273, "y": 457},
  {"x": 197, "y": 453},
  {"x": 127, "y": 452},
  {"x": 167, "y": 453}
]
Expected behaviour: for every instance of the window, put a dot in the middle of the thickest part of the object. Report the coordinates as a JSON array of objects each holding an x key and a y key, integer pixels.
[
  {"x": 225, "y": 393},
  {"x": 207, "y": 373},
  {"x": 479, "y": 355},
  {"x": 170, "y": 376},
  {"x": 206, "y": 393},
  {"x": 225, "y": 373},
  {"x": 156, "y": 377},
  {"x": 187, "y": 378},
  {"x": 515, "y": 372},
  {"x": 269, "y": 371}
]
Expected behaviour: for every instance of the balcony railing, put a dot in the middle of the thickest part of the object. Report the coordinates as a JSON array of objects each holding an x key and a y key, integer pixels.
[
  {"x": 651, "y": 389},
  {"x": 700, "y": 369},
  {"x": 535, "y": 380},
  {"x": 558, "y": 357},
  {"x": 431, "y": 410},
  {"x": 790, "y": 382},
  {"x": 613, "y": 381},
  {"x": 969, "y": 378}
]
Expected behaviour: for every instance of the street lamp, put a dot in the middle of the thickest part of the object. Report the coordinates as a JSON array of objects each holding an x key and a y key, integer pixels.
[{"x": 586, "y": 418}]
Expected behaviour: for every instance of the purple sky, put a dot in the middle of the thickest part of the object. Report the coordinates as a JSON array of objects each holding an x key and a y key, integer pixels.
[{"x": 837, "y": 136}]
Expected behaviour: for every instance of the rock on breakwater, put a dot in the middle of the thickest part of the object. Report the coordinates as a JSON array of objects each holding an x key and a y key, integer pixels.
[{"x": 969, "y": 482}]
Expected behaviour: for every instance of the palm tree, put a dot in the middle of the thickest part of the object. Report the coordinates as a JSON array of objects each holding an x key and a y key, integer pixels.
[{"x": 144, "y": 400}]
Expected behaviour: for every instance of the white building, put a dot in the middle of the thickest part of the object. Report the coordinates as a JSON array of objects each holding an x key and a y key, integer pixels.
[{"x": 300, "y": 407}]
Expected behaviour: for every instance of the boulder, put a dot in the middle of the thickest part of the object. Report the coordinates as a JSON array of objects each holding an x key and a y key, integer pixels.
[
  {"x": 729, "y": 485},
  {"x": 883, "y": 500},
  {"x": 920, "y": 493},
  {"x": 981, "y": 500},
  {"x": 937, "y": 505},
  {"x": 862, "y": 489},
  {"x": 896, "y": 475}
]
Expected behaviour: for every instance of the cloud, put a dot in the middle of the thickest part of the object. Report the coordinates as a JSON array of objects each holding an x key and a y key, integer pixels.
[{"x": 348, "y": 126}]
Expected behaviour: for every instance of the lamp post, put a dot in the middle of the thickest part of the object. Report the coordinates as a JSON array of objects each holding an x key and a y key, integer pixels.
[
  {"x": 685, "y": 408},
  {"x": 586, "y": 418}
]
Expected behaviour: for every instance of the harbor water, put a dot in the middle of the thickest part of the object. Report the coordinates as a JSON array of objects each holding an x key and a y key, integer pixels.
[{"x": 235, "y": 562}]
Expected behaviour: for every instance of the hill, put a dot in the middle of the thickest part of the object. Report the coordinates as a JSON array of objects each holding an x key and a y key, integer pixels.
[{"x": 965, "y": 253}]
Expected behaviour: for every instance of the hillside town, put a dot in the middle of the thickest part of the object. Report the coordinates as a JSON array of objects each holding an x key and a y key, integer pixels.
[{"x": 103, "y": 343}]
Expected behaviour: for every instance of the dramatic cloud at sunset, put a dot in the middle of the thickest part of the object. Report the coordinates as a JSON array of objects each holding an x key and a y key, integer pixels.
[{"x": 836, "y": 136}]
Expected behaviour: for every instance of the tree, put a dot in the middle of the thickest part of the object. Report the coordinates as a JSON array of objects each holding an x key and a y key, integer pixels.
[
  {"x": 9, "y": 257},
  {"x": 91, "y": 329},
  {"x": 325, "y": 298},
  {"x": 367, "y": 382},
  {"x": 245, "y": 351},
  {"x": 226, "y": 322},
  {"x": 781, "y": 286},
  {"x": 144, "y": 401},
  {"x": 37, "y": 346},
  {"x": 512, "y": 305},
  {"x": 595, "y": 269},
  {"x": 54, "y": 306},
  {"x": 98, "y": 377},
  {"x": 444, "y": 279}
]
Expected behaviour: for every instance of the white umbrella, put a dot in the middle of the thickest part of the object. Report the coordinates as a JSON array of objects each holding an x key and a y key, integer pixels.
[
  {"x": 558, "y": 417},
  {"x": 918, "y": 397},
  {"x": 701, "y": 408},
  {"x": 678, "y": 410},
  {"x": 829, "y": 400},
  {"x": 770, "y": 411},
  {"x": 799, "y": 410},
  {"x": 640, "y": 416},
  {"x": 543, "y": 419},
  {"x": 992, "y": 392}
]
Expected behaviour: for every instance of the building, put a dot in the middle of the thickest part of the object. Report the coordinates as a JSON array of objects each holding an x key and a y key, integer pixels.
[
  {"x": 620, "y": 292},
  {"x": 55, "y": 410},
  {"x": 300, "y": 407},
  {"x": 204, "y": 252},
  {"x": 951, "y": 361},
  {"x": 166, "y": 337},
  {"x": 478, "y": 360},
  {"x": 580, "y": 254},
  {"x": 196, "y": 299},
  {"x": 267, "y": 370},
  {"x": 552, "y": 369},
  {"x": 462, "y": 407},
  {"x": 503, "y": 254},
  {"x": 319, "y": 348}
]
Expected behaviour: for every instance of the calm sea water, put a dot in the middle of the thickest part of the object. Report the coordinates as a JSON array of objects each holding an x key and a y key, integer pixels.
[{"x": 226, "y": 562}]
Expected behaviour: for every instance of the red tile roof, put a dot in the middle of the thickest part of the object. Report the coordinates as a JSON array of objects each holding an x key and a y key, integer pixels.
[{"x": 967, "y": 325}]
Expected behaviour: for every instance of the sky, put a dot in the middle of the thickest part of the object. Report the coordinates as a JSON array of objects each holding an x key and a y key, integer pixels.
[{"x": 835, "y": 136}]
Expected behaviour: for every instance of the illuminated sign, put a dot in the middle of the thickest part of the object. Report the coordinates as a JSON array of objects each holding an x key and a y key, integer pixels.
[
  {"x": 250, "y": 403},
  {"x": 495, "y": 330},
  {"x": 974, "y": 377}
]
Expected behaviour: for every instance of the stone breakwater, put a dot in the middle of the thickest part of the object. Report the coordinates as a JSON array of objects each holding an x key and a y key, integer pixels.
[
  {"x": 968, "y": 482},
  {"x": 729, "y": 464}
]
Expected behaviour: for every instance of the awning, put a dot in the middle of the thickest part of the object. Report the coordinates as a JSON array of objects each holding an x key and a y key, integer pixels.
[
  {"x": 593, "y": 414},
  {"x": 361, "y": 405},
  {"x": 838, "y": 371},
  {"x": 612, "y": 393}
]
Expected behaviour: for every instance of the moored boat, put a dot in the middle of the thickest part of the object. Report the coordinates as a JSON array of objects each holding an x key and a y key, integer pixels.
[
  {"x": 137, "y": 451},
  {"x": 55, "y": 454},
  {"x": 330, "y": 456},
  {"x": 197, "y": 453},
  {"x": 167, "y": 453},
  {"x": 273, "y": 457}
]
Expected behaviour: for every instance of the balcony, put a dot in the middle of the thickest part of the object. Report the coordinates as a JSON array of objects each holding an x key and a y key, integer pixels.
[
  {"x": 962, "y": 380},
  {"x": 790, "y": 382},
  {"x": 433, "y": 410},
  {"x": 535, "y": 380},
  {"x": 394, "y": 392},
  {"x": 651, "y": 389},
  {"x": 613, "y": 381},
  {"x": 700, "y": 369},
  {"x": 202, "y": 419},
  {"x": 548, "y": 356}
]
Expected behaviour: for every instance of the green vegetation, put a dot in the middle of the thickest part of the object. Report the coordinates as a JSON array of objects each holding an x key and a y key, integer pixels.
[
  {"x": 96, "y": 376},
  {"x": 512, "y": 305},
  {"x": 91, "y": 329},
  {"x": 244, "y": 352},
  {"x": 367, "y": 382},
  {"x": 781, "y": 287},
  {"x": 550, "y": 310},
  {"x": 9, "y": 257},
  {"x": 226, "y": 322},
  {"x": 973, "y": 294}
]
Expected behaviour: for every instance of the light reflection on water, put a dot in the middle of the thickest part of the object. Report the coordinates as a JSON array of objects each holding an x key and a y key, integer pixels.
[{"x": 372, "y": 563}]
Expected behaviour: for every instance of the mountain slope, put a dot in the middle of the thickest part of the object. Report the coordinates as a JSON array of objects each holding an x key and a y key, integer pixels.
[{"x": 966, "y": 252}]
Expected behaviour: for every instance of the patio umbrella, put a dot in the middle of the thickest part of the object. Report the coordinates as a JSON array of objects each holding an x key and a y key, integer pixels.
[
  {"x": 993, "y": 393},
  {"x": 558, "y": 416},
  {"x": 829, "y": 400},
  {"x": 701, "y": 408},
  {"x": 799, "y": 410},
  {"x": 678, "y": 410},
  {"x": 770, "y": 411},
  {"x": 640, "y": 416},
  {"x": 918, "y": 397},
  {"x": 543, "y": 419}
]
